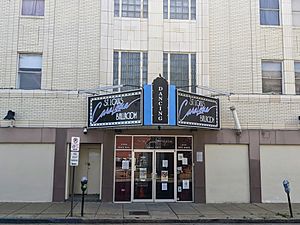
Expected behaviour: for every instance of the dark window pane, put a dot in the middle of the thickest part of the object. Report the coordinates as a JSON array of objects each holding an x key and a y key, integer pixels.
[
  {"x": 33, "y": 7},
  {"x": 145, "y": 68},
  {"x": 165, "y": 66},
  {"x": 193, "y": 73},
  {"x": 30, "y": 81},
  {"x": 130, "y": 70},
  {"x": 269, "y": 17},
  {"x": 116, "y": 8},
  {"x": 272, "y": 86},
  {"x": 179, "y": 74},
  {"x": 269, "y": 4},
  {"x": 116, "y": 69}
]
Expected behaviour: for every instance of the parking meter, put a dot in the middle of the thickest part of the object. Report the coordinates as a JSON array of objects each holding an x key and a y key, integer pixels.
[
  {"x": 84, "y": 182},
  {"x": 286, "y": 185}
]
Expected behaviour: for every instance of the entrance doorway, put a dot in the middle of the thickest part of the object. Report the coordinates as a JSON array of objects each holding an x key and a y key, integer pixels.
[
  {"x": 90, "y": 167},
  {"x": 153, "y": 168},
  {"x": 154, "y": 178}
]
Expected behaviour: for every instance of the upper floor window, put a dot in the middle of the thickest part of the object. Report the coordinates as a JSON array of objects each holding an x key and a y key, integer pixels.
[
  {"x": 271, "y": 77},
  {"x": 180, "y": 70},
  {"x": 131, "y": 8},
  {"x": 296, "y": 12},
  {"x": 30, "y": 71},
  {"x": 269, "y": 12},
  {"x": 33, "y": 7},
  {"x": 180, "y": 9},
  {"x": 297, "y": 77},
  {"x": 131, "y": 69}
]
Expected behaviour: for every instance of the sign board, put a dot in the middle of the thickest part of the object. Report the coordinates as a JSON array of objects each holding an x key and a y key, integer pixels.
[
  {"x": 74, "y": 153},
  {"x": 120, "y": 109},
  {"x": 197, "y": 111},
  {"x": 74, "y": 158},
  {"x": 75, "y": 143},
  {"x": 160, "y": 96}
]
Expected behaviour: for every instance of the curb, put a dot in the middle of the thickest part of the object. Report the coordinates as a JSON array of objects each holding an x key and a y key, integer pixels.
[{"x": 154, "y": 221}]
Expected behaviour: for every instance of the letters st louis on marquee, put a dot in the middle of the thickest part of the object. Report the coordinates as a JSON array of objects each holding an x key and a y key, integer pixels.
[{"x": 156, "y": 104}]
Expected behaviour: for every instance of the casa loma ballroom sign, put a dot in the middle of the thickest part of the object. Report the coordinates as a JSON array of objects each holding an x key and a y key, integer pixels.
[
  {"x": 197, "y": 111},
  {"x": 115, "y": 109}
]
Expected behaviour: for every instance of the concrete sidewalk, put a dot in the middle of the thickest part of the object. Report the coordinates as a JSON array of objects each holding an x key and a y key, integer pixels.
[{"x": 99, "y": 212}]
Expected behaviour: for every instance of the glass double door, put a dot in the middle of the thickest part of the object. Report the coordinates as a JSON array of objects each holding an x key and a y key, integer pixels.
[{"x": 154, "y": 178}]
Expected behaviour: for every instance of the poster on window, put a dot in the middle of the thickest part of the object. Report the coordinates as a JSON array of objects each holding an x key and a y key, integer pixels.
[
  {"x": 164, "y": 186},
  {"x": 185, "y": 184},
  {"x": 164, "y": 175},
  {"x": 165, "y": 163},
  {"x": 180, "y": 156},
  {"x": 125, "y": 164},
  {"x": 143, "y": 174}
]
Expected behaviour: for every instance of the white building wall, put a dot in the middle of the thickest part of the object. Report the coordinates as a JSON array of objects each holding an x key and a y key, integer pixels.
[
  {"x": 227, "y": 181},
  {"x": 26, "y": 172},
  {"x": 279, "y": 162}
]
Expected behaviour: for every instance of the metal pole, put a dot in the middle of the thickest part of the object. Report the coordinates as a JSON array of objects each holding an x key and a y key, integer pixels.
[
  {"x": 72, "y": 195},
  {"x": 290, "y": 205},
  {"x": 82, "y": 203}
]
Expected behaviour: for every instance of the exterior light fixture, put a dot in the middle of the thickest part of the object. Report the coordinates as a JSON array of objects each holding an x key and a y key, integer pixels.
[{"x": 10, "y": 116}]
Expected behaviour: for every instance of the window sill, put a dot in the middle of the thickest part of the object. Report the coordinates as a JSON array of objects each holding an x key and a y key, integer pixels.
[
  {"x": 271, "y": 26},
  {"x": 32, "y": 17},
  {"x": 130, "y": 18},
  {"x": 181, "y": 20}
]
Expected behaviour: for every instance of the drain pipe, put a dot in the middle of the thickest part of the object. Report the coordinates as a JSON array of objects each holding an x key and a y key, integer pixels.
[{"x": 236, "y": 120}]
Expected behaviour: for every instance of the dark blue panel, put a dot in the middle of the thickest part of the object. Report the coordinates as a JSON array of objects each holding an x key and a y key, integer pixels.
[
  {"x": 147, "y": 105},
  {"x": 172, "y": 105}
]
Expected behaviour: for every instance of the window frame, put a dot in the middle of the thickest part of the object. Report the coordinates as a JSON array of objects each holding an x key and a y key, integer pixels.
[
  {"x": 270, "y": 9},
  {"x": 143, "y": 14},
  {"x": 192, "y": 80},
  {"x": 168, "y": 15},
  {"x": 143, "y": 69},
  {"x": 266, "y": 78},
  {"x": 32, "y": 15},
  {"x": 297, "y": 76},
  {"x": 295, "y": 12},
  {"x": 36, "y": 71}
]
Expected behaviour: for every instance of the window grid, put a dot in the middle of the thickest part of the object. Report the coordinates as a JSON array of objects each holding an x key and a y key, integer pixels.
[
  {"x": 29, "y": 71},
  {"x": 269, "y": 12},
  {"x": 179, "y": 9},
  {"x": 272, "y": 77},
  {"x": 130, "y": 68},
  {"x": 180, "y": 70},
  {"x": 131, "y": 8},
  {"x": 297, "y": 77}
]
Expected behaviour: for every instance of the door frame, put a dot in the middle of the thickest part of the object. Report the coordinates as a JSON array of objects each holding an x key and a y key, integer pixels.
[
  {"x": 68, "y": 181},
  {"x": 154, "y": 152}
]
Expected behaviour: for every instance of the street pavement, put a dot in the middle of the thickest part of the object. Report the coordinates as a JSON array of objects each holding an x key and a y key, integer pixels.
[{"x": 137, "y": 213}]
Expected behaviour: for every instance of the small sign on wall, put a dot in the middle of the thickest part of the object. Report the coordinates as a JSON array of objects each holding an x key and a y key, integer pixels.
[
  {"x": 74, "y": 153},
  {"x": 199, "y": 156}
]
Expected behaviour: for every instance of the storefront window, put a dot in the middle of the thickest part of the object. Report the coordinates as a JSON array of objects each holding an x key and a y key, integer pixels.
[
  {"x": 153, "y": 168},
  {"x": 146, "y": 142},
  {"x": 184, "y": 176},
  {"x": 123, "y": 176}
]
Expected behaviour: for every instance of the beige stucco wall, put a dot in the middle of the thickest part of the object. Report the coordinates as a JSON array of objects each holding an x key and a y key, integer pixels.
[
  {"x": 227, "y": 173},
  {"x": 26, "y": 172},
  {"x": 277, "y": 164}
]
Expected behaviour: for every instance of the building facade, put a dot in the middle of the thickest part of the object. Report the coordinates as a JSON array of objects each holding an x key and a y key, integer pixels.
[{"x": 55, "y": 54}]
